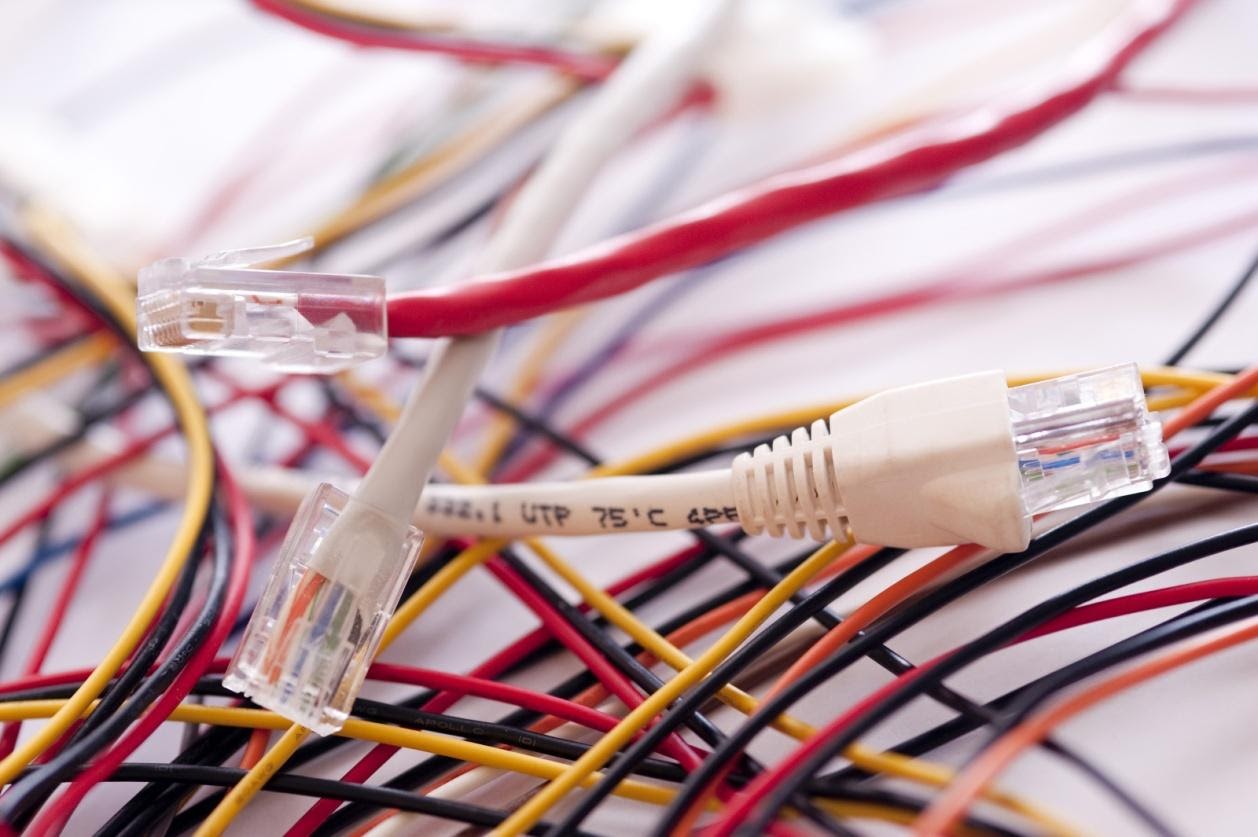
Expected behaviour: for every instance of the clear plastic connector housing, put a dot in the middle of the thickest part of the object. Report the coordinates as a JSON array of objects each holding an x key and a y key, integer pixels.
[
  {"x": 292, "y": 320},
  {"x": 320, "y": 619},
  {"x": 1085, "y": 438}
]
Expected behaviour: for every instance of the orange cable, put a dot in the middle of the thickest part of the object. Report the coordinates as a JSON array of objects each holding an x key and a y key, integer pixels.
[{"x": 949, "y": 808}]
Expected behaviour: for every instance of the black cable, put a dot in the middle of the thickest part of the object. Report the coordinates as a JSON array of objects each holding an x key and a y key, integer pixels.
[
  {"x": 42, "y": 535},
  {"x": 975, "y": 649},
  {"x": 1244, "y": 483},
  {"x": 932, "y": 601},
  {"x": 227, "y": 777},
  {"x": 1215, "y": 314},
  {"x": 1204, "y": 617},
  {"x": 378, "y": 797},
  {"x": 882, "y": 655},
  {"x": 24, "y": 797}
]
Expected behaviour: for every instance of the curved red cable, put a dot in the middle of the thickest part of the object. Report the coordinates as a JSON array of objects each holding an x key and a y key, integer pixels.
[
  {"x": 584, "y": 66},
  {"x": 915, "y": 160}
]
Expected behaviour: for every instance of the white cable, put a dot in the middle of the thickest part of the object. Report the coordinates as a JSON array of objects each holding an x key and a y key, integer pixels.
[
  {"x": 345, "y": 559},
  {"x": 958, "y": 460},
  {"x": 651, "y": 78}
]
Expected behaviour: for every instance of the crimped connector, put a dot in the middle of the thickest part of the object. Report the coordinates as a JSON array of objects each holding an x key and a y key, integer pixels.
[
  {"x": 959, "y": 460},
  {"x": 319, "y": 622},
  {"x": 292, "y": 320},
  {"x": 1085, "y": 438}
]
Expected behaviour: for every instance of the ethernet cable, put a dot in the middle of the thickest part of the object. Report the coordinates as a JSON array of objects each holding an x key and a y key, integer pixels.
[
  {"x": 504, "y": 293},
  {"x": 958, "y": 460},
  {"x": 901, "y": 165},
  {"x": 339, "y": 577}
]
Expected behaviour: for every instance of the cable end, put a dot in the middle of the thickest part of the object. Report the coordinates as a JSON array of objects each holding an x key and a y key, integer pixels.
[
  {"x": 319, "y": 622},
  {"x": 1085, "y": 438},
  {"x": 291, "y": 320}
]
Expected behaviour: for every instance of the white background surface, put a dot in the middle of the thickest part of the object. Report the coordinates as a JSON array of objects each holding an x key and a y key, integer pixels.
[{"x": 129, "y": 113}]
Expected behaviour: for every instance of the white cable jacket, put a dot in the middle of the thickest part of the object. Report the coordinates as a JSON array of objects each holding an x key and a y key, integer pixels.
[
  {"x": 653, "y": 76},
  {"x": 594, "y": 507}
]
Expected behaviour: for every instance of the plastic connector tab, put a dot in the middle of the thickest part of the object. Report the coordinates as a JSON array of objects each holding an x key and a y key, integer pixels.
[
  {"x": 292, "y": 320},
  {"x": 318, "y": 623},
  {"x": 1085, "y": 438}
]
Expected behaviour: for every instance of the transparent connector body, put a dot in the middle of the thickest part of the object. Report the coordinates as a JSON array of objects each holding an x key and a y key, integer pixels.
[
  {"x": 319, "y": 622},
  {"x": 292, "y": 320},
  {"x": 1085, "y": 438}
]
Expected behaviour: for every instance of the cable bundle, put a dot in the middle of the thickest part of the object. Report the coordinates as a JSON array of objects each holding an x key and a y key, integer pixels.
[{"x": 643, "y": 717}]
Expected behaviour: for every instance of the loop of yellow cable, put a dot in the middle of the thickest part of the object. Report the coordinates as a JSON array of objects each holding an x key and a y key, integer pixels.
[{"x": 171, "y": 377}]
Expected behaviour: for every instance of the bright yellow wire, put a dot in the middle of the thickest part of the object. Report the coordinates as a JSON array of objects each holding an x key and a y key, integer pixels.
[
  {"x": 428, "y": 742},
  {"x": 690, "y": 672},
  {"x": 110, "y": 289},
  {"x": 606, "y": 747},
  {"x": 52, "y": 368},
  {"x": 1191, "y": 381},
  {"x": 502, "y": 427}
]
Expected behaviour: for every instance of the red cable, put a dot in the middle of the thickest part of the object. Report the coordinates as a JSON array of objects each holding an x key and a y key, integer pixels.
[
  {"x": 800, "y": 325},
  {"x": 743, "y": 805},
  {"x": 1196, "y": 591},
  {"x": 584, "y": 66},
  {"x": 56, "y": 615},
  {"x": 55, "y": 815},
  {"x": 363, "y": 770},
  {"x": 915, "y": 160}
]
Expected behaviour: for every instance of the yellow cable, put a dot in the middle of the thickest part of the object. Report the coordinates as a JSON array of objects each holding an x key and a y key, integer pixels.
[
  {"x": 502, "y": 427},
  {"x": 429, "y": 742},
  {"x": 606, "y": 747},
  {"x": 1193, "y": 382},
  {"x": 890, "y": 763},
  {"x": 101, "y": 281},
  {"x": 52, "y": 368},
  {"x": 690, "y": 672}
]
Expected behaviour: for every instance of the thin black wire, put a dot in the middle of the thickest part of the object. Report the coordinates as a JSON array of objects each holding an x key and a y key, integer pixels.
[
  {"x": 882, "y": 655},
  {"x": 923, "y": 608},
  {"x": 1215, "y": 314},
  {"x": 1006, "y": 632},
  {"x": 1205, "y": 617},
  {"x": 27, "y": 794},
  {"x": 1245, "y": 483},
  {"x": 227, "y": 777},
  {"x": 42, "y": 535}
]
